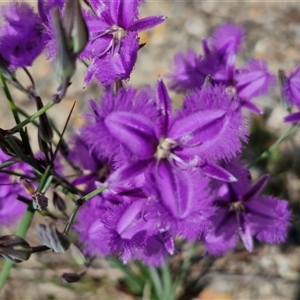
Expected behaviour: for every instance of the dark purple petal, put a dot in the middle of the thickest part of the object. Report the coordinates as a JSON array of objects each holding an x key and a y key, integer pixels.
[
  {"x": 210, "y": 124},
  {"x": 292, "y": 118},
  {"x": 254, "y": 80},
  {"x": 146, "y": 23},
  {"x": 269, "y": 218},
  {"x": 129, "y": 217},
  {"x": 292, "y": 88},
  {"x": 252, "y": 107},
  {"x": 134, "y": 131},
  {"x": 228, "y": 39},
  {"x": 217, "y": 172},
  {"x": 164, "y": 108},
  {"x": 98, "y": 6},
  {"x": 187, "y": 72},
  {"x": 256, "y": 188},
  {"x": 185, "y": 196},
  {"x": 123, "y": 12},
  {"x": 245, "y": 231}
]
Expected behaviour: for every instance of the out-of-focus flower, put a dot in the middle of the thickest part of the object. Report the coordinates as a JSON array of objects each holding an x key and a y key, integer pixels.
[
  {"x": 11, "y": 209},
  {"x": 241, "y": 211},
  {"x": 113, "y": 43}
]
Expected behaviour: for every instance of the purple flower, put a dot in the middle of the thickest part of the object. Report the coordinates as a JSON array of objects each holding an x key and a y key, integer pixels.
[
  {"x": 190, "y": 69},
  {"x": 227, "y": 39},
  {"x": 11, "y": 209},
  {"x": 119, "y": 226},
  {"x": 292, "y": 87},
  {"x": 113, "y": 41},
  {"x": 215, "y": 124},
  {"x": 22, "y": 39},
  {"x": 96, "y": 135},
  {"x": 291, "y": 91},
  {"x": 24, "y": 36},
  {"x": 240, "y": 211},
  {"x": 183, "y": 204},
  {"x": 95, "y": 169}
]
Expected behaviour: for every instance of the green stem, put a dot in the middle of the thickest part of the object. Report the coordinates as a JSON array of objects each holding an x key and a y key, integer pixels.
[
  {"x": 32, "y": 118},
  {"x": 94, "y": 193},
  {"x": 14, "y": 111},
  {"x": 21, "y": 231},
  {"x": 75, "y": 211},
  {"x": 266, "y": 153}
]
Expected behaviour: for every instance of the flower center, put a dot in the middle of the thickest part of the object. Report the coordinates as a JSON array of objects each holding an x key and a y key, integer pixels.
[
  {"x": 117, "y": 32},
  {"x": 164, "y": 148},
  {"x": 237, "y": 206}
]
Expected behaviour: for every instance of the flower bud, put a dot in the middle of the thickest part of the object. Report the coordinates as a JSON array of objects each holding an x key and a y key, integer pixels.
[
  {"x": 40, "y": 201},
  {"x": 28, "y": 185},
  {"x": 75, "y": 26},
  {"x": 14, "y": 248},
  {"x": 71, "y": 277},
  {"x": 45, "y": 129},
  {"x": 282, "y": 83},
  {"x": 59, "y": 202},
  {"x": 53, "y": 239},
  {"x": 5, "y": 147},
  {"x": 77, "y": 255},
  {"x": 44, "y": 146},
  {"x": 65, "y": 58}
]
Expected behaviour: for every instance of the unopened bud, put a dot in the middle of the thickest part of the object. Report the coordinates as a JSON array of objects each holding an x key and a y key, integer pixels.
[
  {"x": 40, "y": 201},
  {"x": 65, "y": 58},
  {"x": 71, "y": 277},
  {"x": 5, "y": 145},
  {"x": 45, "y": 128},
  {"x": 6, "y": 148},
  {"x": 28, "y": 185},
  {"x": 77, "y": 255},
  {"x": 44, "y": 146},
  {"x": 59, "y": 202},
  {"x": 282, "y": 84},
  {"x": 53, "y": 239},
  {"x": 14, "y": 248},
  {"x": 75, "y": 26}
]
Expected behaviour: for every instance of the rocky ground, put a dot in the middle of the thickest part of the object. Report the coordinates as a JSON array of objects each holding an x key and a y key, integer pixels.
[{"x": 270, "y": 272}]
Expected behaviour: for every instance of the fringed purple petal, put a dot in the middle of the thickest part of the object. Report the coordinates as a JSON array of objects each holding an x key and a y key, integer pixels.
[
  {"x": 186, "y": 72},
  {"x": 254, "y": 80},
  {"x": 129, "y": 216},
  {"x": 228, "y": 39},
  {"x": 269, "y": 218},
  {"x": 292, "y": 87},
  {"x": 185, "y": 196},
  {"x": 209, "y": 125},
  {"x": 134, "y": 132}
]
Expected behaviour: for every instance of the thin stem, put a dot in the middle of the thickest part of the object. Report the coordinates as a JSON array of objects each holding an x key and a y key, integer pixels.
[
  {"x": 21, "y": 231},
  {"x": 79, "y": 203},
  {"x": 267, "y": 152},
  {"x": 14, "y": 111},
  {"x": 94, "y": 193},
  {"x": 32, "y": 118}
]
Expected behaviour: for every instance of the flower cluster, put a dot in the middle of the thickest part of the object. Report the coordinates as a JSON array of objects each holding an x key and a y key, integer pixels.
[
  {"x": 177, "y": 173},
  {"x": 166, "y": 173}
]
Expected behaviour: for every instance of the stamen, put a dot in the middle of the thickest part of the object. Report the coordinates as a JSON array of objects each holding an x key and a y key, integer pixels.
[{"x": 237, "y": 206}]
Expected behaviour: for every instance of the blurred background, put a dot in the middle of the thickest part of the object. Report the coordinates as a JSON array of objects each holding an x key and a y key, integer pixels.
[{"x": 270, "y": 272}]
